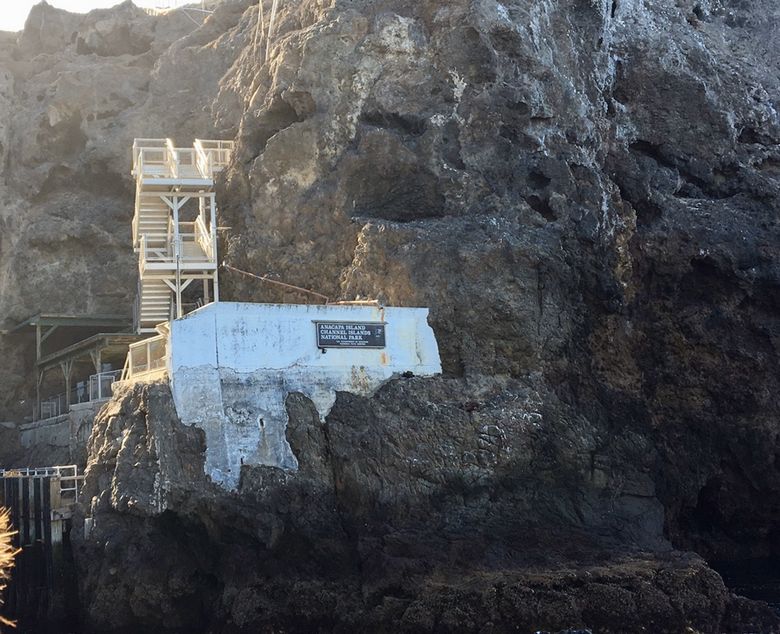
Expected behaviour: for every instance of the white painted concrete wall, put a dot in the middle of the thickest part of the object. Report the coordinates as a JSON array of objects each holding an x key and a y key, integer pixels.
[{"x": 232, "y": 366}]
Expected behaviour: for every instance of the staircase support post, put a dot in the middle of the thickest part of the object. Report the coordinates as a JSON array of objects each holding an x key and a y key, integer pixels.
[{"x": 213, "y": 215}]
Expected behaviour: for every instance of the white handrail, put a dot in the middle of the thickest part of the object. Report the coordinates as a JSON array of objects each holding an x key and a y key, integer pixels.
[
  {"x": 142, "y": 254},
  {"x": 143, "y": 360},
  {"x": 65, "y": 474},
  {"x": 205, "y": 158},
  {"x": 100, "y": 385},
  {"x": 203, "y": 238},
  {"x": 171, "y": 159}
]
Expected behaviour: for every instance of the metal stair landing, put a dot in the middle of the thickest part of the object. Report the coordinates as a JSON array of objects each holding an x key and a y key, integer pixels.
[{"x": 174, "y": 225}]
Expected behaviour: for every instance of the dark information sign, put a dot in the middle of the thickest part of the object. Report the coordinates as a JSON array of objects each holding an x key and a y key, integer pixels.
[{"x": 350, "y": 334}]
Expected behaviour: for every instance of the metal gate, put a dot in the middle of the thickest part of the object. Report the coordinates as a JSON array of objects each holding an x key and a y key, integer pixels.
[{"x": 40, "y": 502}]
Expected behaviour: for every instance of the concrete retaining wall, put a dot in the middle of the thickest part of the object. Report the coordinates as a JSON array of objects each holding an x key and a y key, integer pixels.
[
  {"x": 232, "y": 366},
  {"x": 61, "y": 440}
]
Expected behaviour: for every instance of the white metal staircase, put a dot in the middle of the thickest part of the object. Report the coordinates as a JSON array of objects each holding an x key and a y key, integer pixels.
[
  {"x": 153, "y": 215},
  {"x": 174, "y": 225},
  {"x": 156, "y": 302}
]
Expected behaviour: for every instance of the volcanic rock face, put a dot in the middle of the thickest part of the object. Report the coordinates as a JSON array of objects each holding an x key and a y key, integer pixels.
[
  {"x": 585, "y": 193},
  {"x": 409, "y": 512}
]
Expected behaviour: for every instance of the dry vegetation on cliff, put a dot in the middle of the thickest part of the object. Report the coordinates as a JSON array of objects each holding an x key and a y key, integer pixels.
[{"x": 7, "y": 553}]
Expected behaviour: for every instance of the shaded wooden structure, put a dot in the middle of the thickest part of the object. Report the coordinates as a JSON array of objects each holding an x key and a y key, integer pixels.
[{"x": 80, "y": 347}]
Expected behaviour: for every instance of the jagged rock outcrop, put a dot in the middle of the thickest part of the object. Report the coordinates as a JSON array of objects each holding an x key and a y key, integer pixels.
[
  {"x": 585, "y": 193},
  {"x": 583, "y": 190},
  {"x": 411, "y": 511}
]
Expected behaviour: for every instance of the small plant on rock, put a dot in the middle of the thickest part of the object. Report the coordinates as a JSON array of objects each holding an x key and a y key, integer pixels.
[{"x": 7, "y": 554}]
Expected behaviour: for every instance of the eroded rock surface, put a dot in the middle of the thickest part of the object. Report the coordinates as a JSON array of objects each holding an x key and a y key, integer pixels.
[
  {"x": 411, "y": 511},
  {"x": 585, "y": 193}
]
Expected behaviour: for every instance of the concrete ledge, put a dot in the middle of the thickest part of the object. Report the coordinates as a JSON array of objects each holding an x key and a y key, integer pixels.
[{"x": 232, "y": 366}]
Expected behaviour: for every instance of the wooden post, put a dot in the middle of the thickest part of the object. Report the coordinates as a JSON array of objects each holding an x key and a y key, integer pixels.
[
  {"x": 40, "y": 337},
  {"x": 39, "y": 379},
  {"x": 97, "y": 360},
  {"x": 67, "y": 368}
]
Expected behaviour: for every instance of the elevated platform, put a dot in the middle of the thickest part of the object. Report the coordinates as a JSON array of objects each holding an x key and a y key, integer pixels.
[
  {"x": 83, "y": 349},
  {"x": 165, "y": 184},
  {"x": 174, "y": 225},
  {"x": 158, "y": 162}
]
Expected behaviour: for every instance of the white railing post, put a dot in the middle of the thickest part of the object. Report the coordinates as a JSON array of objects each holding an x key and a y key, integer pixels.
[
  {"x": 142, "y": 255},
  {"x": 171, "y": 159}
]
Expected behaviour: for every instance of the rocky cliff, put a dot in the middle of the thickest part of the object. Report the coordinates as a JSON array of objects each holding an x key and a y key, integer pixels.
[{"x": 584, "y": 192}]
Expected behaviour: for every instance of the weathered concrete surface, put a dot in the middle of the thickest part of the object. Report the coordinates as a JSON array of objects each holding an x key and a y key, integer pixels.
[
  {"x": 57, "y": 441},
  {"x": 232, "y": 366}
]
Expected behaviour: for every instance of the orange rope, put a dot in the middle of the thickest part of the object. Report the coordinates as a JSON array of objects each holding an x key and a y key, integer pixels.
[{"x": 291, "y": 287}]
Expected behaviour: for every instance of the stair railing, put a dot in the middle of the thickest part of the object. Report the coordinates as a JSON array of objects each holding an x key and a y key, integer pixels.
[
  {"x": 142, "y": 255},
  {"x": 137, "y": 309},
  {"x": 147, "y": 357},
  {"x": 203, "y": 238},
  {"x": 204, "y": 160},
  {"x": 171, "y": 159},
  {"x": 137, "y": 210},
  {"x": 149, "y": 157},
  {"x": 213, "y": 156}
]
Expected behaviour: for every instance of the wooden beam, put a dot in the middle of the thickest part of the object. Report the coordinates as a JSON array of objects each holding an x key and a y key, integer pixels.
[
  {"x": 67, "y": 368},
  {"x": 48, "y": 333},
  {"x": 96, "y": 358},
  {"x": 38, "y": 382}
]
